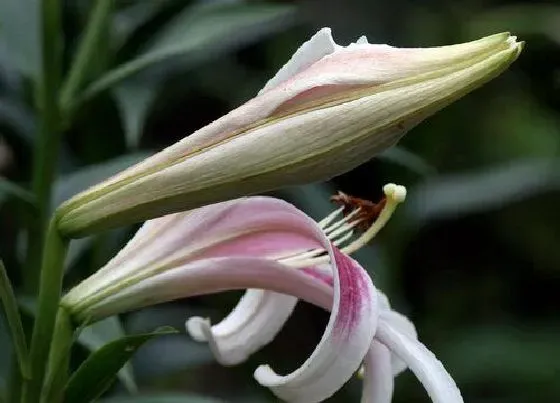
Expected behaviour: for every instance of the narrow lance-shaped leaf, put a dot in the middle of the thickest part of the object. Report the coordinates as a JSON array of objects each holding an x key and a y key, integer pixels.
[
  {"x": 164, "y": 399},
  {"x": 200, "y": 32},
  {"x": 98, "y": 372},
  {"x": 99, "y": 334},
  {"x": 14, "y": 321},
  {"x": 9, "y": 189}
]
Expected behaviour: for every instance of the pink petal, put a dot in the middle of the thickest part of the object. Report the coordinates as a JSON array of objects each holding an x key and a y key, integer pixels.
[
  {"x": 345, "y": 342},
  {"x": 253, "y": 226}
]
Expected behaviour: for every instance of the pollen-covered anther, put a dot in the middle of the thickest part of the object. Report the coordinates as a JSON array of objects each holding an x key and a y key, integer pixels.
[{"x": 368, "y": 211}]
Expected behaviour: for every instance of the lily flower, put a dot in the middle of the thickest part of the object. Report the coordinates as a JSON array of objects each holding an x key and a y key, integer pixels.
[
  {"x": 329, "y": 109},
  {"x": 279, "y": 255}
]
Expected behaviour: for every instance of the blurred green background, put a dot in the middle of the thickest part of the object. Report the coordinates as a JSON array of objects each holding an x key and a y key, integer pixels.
[{"x": 473, "y": 257}]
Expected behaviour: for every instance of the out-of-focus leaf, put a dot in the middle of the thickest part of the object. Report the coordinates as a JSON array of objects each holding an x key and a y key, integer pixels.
[
  {"x": 130, "y": 18},
  {"x": 5, "y": 354},
  {"x": 519, "y": 18},
  {"x": 68, "y": 185},
  {"x": 18, "y": 118},
  {"x": 9, "y": 189},
  {"x": 134, "y": 99},
  {"x": 167, "y": 355},
  {"x": 491, "y": 188},
  {"x": 530, "y": 131},
  {"x": 20, "y": 48},
  {"x": 97, "y": 335},
  {"x": 13, "y": 318},
  {"x": 407, "y": 159},
  {"x": 99, "y": 370},
  {"x": 508, "y": 354},
  {"x": 199, "y": 33},
  {"x": 164, "y": 399}
]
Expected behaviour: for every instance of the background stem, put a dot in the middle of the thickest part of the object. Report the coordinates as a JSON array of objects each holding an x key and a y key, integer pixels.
[{"x": 48, "y": 139}]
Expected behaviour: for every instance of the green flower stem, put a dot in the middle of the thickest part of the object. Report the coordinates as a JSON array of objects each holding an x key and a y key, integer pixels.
[
  {"x": 59, "y": 358},
  {"x": 49, "y": 136},
  {"x": 89, "y": 45},
  {"x": 52, "y": 272}
]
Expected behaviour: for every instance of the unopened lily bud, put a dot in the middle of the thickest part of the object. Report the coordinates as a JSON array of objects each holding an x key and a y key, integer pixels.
[{"x": 329, "y": 109}]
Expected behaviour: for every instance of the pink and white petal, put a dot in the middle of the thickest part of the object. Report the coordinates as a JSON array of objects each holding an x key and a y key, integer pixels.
[
  {"x": 344, "y": 344},
  {"x": 405, "y": 327},
  {"x": 428, "y": 369},
  {"x": 211, "y": 276},
  {"x": 251, "y": 226},
  {"x": 317, "y": 47},
  {"x": 255, "y": 321},
  {"x": 378, "y": 381}
]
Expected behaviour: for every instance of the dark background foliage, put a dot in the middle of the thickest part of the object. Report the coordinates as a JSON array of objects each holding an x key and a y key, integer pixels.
[{"x": 474, "y": 255}]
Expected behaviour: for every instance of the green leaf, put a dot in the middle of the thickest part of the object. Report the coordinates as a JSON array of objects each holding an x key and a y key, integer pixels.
[
  {"x": 400, "y": 156},
  {"x": 18, "y": 118},
  {"x": 68, "y": 185},
  {"x": 518, "y": 18},
  {"x": 100, "y": 333},
  {"x": 9, "y": 189},
  {"x": 14, "y": 321},
  {"x": 164, "y": 399},
  {"x": 199, "y": 33},
  {"x": 518, "y": 357},
  {"x": 465, "y": 193},
  {"x": 134, "y": 98},
  {"x": 5, "y": 354},
  {"x": 99, "y": 370},
  {"x": 127, "y": 20},
  {"x": 20, "y": 48}
]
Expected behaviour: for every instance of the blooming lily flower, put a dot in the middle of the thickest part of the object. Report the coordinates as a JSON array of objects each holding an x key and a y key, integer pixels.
[
  {"x": 280, "y": 255},
  {"x": 329, "y": 109}
]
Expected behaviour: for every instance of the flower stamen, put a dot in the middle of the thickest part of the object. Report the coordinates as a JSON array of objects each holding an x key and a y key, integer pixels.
[{"x": 358, "y": 213}]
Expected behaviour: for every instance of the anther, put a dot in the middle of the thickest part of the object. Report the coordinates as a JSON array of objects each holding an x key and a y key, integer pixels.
[{"x": 368, "y": 210}]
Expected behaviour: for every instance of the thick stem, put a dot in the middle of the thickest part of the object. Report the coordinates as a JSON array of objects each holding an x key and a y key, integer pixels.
[
  {"x": 48, "y": 139},
  {"x": 52, "y": 271},
  {"x": 59, "y": 359}
]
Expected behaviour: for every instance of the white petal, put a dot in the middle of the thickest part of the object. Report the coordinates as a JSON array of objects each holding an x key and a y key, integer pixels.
[
  {"x": 428, "y": 369},
  {"x": 405, "y": 327},
  {"x": 254, "y": 322},
  {"x": 362, "y": 40},
  {"x": 320, "y": 45},
  {"x": 344, "y": 344},
  {"x": 378, "y": 375}
]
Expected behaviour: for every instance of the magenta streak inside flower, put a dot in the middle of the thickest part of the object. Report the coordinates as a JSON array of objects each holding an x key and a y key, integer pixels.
[{"x": 350, "y": 306}]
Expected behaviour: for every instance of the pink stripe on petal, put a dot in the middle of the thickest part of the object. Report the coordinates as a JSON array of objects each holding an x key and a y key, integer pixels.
[{"x": 345, "y": 342}]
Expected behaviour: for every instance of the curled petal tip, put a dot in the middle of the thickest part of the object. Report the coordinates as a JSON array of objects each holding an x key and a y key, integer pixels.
[{"x": 198, "y": 328}]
